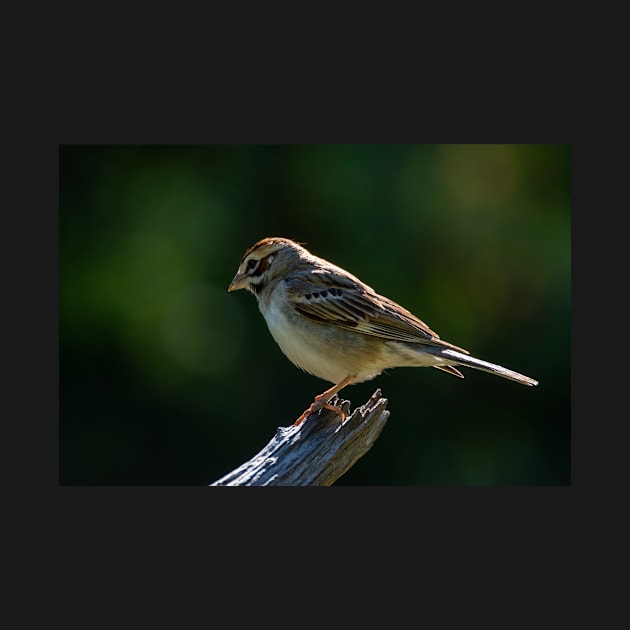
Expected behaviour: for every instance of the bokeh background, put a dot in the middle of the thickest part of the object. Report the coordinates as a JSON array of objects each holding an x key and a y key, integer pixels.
[{"x": 166, "y": 379}]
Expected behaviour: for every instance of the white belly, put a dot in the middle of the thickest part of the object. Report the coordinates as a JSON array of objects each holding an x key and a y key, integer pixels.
[{"x": 304, "y": 348}]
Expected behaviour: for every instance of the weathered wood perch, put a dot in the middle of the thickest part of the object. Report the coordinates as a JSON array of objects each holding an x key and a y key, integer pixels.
[{"x": 317, "y": 452}]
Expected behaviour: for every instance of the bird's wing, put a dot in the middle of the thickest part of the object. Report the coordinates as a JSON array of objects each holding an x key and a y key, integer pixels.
[{"x": 339, "y": 300}]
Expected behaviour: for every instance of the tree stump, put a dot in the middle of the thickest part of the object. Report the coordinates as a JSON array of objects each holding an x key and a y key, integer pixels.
[{"x": 318, "y": 451}]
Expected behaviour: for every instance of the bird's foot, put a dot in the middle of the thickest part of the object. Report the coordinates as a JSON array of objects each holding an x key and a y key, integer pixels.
[{"x": 318, "y": 403}]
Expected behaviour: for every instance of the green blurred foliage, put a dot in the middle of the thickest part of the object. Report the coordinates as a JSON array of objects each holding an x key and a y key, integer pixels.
[{"x": 167, "y": 379}]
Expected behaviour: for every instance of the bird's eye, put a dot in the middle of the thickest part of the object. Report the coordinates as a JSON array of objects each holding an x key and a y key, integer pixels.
[{"x": 251, "y": 263}]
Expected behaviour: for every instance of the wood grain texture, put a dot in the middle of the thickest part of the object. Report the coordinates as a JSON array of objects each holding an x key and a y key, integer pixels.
[{"x": 318, "y": 451}]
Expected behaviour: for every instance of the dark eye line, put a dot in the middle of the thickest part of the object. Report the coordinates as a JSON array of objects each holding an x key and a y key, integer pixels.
[{"x": 263, "y": 265}]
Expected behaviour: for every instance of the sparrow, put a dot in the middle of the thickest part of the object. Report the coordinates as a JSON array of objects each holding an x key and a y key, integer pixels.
[{"x": 334, "y": 326}]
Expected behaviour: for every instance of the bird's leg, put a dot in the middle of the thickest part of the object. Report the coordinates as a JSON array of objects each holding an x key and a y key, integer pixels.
[{"x": 322, "y": 401}]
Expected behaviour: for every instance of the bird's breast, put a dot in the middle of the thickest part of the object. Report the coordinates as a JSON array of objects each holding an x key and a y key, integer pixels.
[{"x": 317, "y": 349}]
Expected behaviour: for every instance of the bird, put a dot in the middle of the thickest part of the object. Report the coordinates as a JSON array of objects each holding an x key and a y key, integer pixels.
[{"x": 333, "y": 326}]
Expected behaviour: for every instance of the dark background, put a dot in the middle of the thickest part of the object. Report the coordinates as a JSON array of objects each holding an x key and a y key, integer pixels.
[{"x": 167, "y": 379}]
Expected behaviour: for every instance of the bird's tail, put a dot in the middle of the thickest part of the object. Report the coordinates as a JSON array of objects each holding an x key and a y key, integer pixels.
[{"x": 466, "y": 360}]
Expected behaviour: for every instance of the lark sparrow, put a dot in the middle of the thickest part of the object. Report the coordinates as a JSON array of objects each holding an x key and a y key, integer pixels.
[{"x": 330, "y": 324}]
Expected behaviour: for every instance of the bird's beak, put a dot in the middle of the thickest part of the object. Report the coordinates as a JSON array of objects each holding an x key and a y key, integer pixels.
[{"x": 239, "y": 282}]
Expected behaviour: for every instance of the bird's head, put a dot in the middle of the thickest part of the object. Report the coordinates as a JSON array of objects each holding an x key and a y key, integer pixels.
[{"x": 268, "y": 259}]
